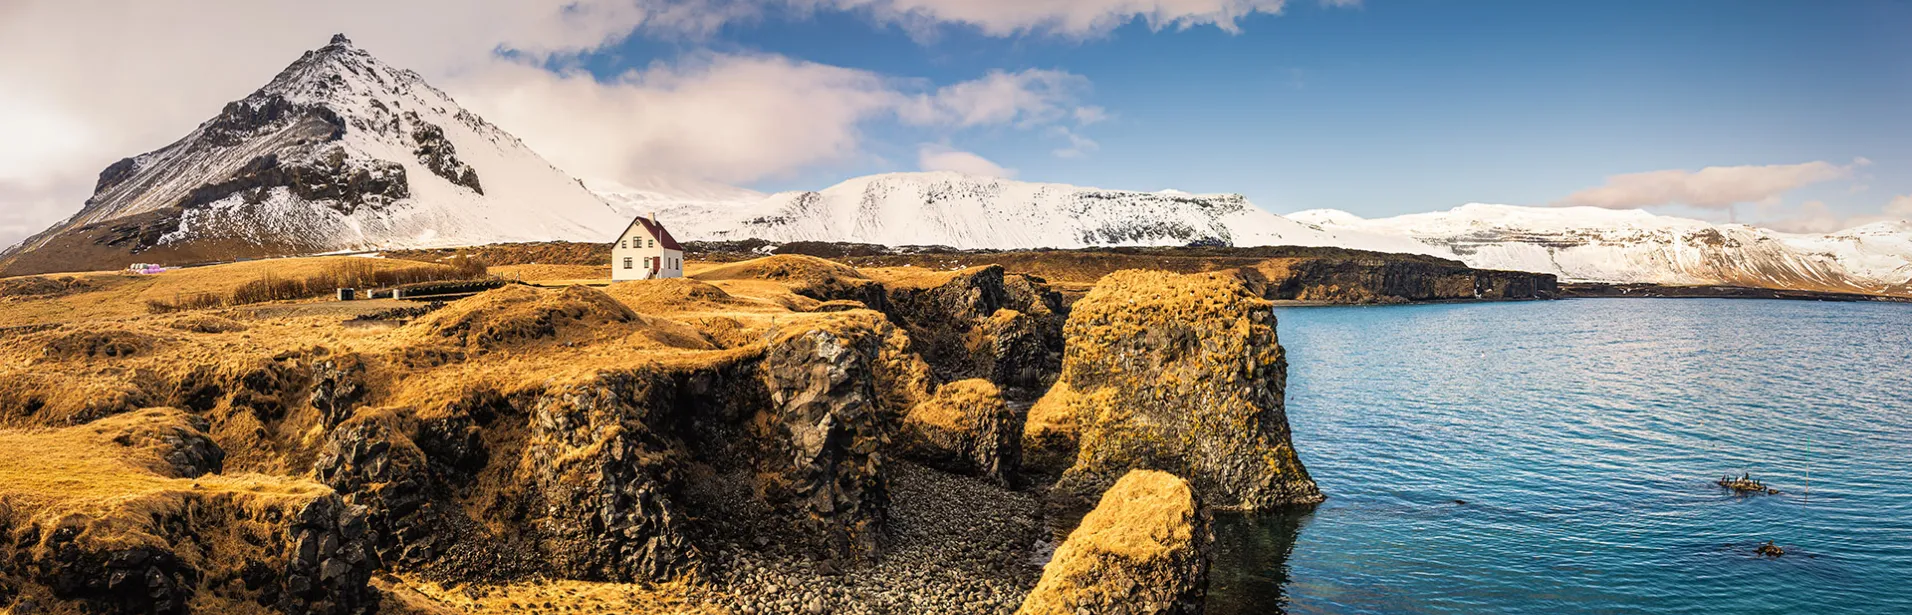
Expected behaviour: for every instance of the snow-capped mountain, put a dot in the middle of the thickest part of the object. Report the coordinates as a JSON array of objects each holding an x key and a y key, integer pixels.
[
  {"x": 340, "y": 151},
  {"x": 1608, "y": 245},
  {"x": 967, "y": 211}
]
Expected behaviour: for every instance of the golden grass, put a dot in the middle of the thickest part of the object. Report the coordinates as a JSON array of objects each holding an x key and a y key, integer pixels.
[
  {"x": 415, "y": 595},
  {"x": 960, "y": 406},
  {"x": 782, "y": 267},
  {"x": 114, "y": 295},
  {"x": 913, "y": 277},
  {"x": 1140, "y": 529},
  {"x": 553, "y": 273},
  {"x": 82, "y": 470}
]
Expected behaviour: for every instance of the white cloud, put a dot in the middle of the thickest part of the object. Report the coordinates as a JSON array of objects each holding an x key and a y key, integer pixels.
[
  {"x": 1078, "y": 147},
  {"x": 1711, "y": 187},
  {"x": 1069, "y": 18},
  {"x": 1900, "y": 206},
  {"x": 1085, "y": 116},
  {"x": 1025, "y": 98},
  {"x": 936, "y": 157},
  {"x": 731, "y": 118},
  {"x": 1817, "y": 217},
  {"x": 113, "y": 79}
]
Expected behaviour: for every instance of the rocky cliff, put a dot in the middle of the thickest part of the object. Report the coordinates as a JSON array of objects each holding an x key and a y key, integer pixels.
[
  {"x": 769, "y": 437},
  {"x": 1180, "y": 373}
]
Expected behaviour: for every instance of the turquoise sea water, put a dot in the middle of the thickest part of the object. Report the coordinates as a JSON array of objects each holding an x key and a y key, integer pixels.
[{"x": 1584, "y": 437}]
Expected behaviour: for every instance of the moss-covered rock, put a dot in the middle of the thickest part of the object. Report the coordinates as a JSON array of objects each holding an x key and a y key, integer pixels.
[
  {"x": 1144, "y": 550},
  {"x": 1180, "y": 373},
  {"x": 967, "y": 429}
]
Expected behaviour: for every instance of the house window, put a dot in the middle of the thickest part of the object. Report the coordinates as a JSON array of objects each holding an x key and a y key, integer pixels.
[
  {"x": 627, "y": 262},
  {"x": 650, "y": 243}
]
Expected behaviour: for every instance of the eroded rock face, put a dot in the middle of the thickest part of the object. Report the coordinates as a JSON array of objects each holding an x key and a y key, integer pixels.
[
  {"x": 1180, "y": 373},
  {"x": 967, "y": 429},
  {"x": 1145, "y": 549},
  {"x": 370, "y": 462},
  {"x": 169, "y": 545},
  {"x": 822, "y": 436},
  {"x": 604, "y": 478},
  {"x": 983, "y": 323}
]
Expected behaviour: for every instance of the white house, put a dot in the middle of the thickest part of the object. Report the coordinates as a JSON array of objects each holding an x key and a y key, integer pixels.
[{"x": 646, "y": 251}]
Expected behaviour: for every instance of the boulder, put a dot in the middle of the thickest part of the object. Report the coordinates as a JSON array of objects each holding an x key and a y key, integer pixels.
[
  {"x": 603, "y": 480},
  {"x": 820, "y": 438},
  {"x": 1144, "y": 550},
  {"x": 967, "y": 429},
  {"x": 1180, "y": 373}
]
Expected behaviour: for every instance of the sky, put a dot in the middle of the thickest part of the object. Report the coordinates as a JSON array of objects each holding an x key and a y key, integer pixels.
[{"x": 1792, "y": 115}]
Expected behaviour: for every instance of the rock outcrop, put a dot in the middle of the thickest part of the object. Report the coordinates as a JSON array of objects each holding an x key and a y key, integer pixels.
[
  {"x": 822, "y": 437},
  {"x": 122, "y": 516},
  {"x": 981, "y": 323},
  {"x": 1180, "y": 373},
  {"x": 965, "y": 428},
  {"x": 1144, "y": 550},
  {"x": 603, "y": 477}
]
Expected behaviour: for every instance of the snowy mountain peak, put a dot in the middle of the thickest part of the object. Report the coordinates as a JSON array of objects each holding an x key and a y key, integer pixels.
[{"x": 338, "y": 151}]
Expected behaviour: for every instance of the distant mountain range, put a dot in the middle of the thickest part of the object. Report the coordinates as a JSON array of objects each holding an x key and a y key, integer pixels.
[
  {"x": 343, "y": 152},
  {"x": 1608, "y": 245},
  {"x": 966, "y": 211}
]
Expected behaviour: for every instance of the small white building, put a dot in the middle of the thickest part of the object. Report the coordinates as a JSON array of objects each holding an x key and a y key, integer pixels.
[{"x": 646, "y": 251}]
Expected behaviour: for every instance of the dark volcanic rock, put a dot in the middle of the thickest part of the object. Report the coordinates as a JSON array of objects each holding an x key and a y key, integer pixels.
[
  {"x": 375, "y": 466},
  {"x": 982, "y": 323},
  {"x": 604, "y": 481},
  {"x": 820, "y": 439},
  {"x": 337, "y": 387}
]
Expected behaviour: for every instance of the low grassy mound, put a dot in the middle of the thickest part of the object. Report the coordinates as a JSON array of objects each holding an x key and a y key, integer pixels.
[
  {"x": 782, "y": 267},
  {"x": 116, "y": 343},
  {"x": 518, "y": 314},
  {"x": 670, "y": 295},
  {"x": 206, "y": 323}
]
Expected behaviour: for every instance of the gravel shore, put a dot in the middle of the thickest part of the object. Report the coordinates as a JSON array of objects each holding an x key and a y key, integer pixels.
[{"x": 955, "y": 544}]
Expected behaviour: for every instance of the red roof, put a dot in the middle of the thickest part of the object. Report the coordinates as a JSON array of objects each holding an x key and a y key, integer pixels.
[{"x": 658, "y": 232}]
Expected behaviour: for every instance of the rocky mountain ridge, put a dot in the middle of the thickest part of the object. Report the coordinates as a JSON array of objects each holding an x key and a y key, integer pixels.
[
  {"x": 340, "y": 151},
  {"x": 1633, "y": 246},
  {"x": 974, "y": 212}
]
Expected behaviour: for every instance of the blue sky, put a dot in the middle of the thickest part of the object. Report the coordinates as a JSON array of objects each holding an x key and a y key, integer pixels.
[
  {"x": 1788, "y": 114},
  {"x": 1395, "y": 107}
]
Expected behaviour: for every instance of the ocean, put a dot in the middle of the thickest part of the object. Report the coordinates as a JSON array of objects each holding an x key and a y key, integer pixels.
[{"x": 1558, "y": 457}]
